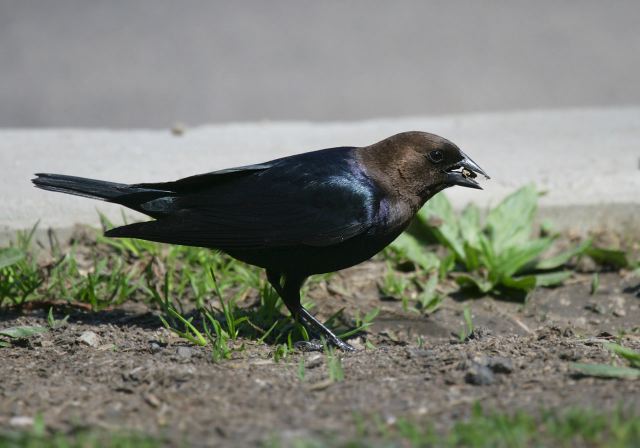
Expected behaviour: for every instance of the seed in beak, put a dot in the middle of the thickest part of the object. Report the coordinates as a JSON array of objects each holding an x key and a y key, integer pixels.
[{"x": 468, "y": 174}]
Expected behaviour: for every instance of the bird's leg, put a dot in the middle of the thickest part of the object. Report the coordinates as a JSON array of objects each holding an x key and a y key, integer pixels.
[
  {"x": 291, "y": 296},
  {"x": 274, "y": 279},
  {"x": 314, "y": 323}
]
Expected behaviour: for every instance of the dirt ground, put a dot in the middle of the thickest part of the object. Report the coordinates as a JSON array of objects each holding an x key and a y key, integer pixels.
[{"x": 141, "y": 377}]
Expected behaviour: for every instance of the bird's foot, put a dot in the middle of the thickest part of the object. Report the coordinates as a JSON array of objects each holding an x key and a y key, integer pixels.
[
  {"x": 317, "y": 346},
  {"x": 309, "y": 346},
  {"x": 343, "y": 345},
  {"x": 319, "y": 329}
]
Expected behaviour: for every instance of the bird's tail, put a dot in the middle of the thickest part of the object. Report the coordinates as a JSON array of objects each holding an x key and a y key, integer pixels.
[
  {"x": 80, "y": 186},
  {"x": 133, "y": 196}
]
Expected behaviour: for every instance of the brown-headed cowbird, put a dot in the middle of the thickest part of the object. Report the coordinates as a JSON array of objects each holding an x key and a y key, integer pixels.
[{"x": 296, "y": 216}]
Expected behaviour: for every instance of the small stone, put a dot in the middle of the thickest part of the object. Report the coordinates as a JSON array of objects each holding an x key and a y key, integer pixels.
[
  {"x": 321, "y": 385},
  {"x": 586, "y": 264},
  {"x": 89, "y": 338},
  {"x": 21, "y": 421},
  {"x": 619, "y": 302},
  {"x": 479, "y": 333},
  {"x": 595, "y": 308},
  {"x": 154, "y": 347},
  {"x": 499, "y": 364},
  {"x": 184, "y": 352},
  {"x": 416, "y": 353},
  {"x": 619, "y": 312},
  {"x": 580, "y": 322},
  {"x": 480, "y": 375},
  {"x": 152, "y": 400},
  {"x": 260, "y": 382},
  {"x": 178, "y": 129},
  {"x": 314, "y": 361}
]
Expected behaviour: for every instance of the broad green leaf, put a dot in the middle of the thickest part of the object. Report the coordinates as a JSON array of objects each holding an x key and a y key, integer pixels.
[
  {"x": 606, "y": 371},
  {"x": 611, "y": 257},
  {"x": 439, "y": 209},
  {"x": 429, "y": 299},
  {"x": 24, "y": 331},
  {"x": 429, "y": 287},
  {"x": 510, "y": 223},
  {"x": 447, "y": 264},
  {"x": 470, "y": 229},
  {"x": 526, "y": 283},
  {"x": 552, "y": 278},
  {"x": 409, "y": 247},
  {"x": 472, "y": 281},
  {"x": 514, "y": 258},
  {"x": 4, "y": 344},
  {"x": 471, "y": 257},
  {"x": 487, "y": 255},
  {"x": 10, "y": 256},
  {"x": 563, "y": 257},
  {"x": 630, "y": 355}
]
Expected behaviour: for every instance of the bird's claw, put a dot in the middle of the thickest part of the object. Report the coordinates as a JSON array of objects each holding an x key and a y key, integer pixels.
[
  {"x": 317, "y": 346},
  {"x": 309, "y": 346},
  {"x": 344, "y": 346}
]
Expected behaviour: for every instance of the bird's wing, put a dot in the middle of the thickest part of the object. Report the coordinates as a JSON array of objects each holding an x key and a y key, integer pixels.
[
  {"x": 206, "y": 180},
  {"x": 284, "y": 205}
]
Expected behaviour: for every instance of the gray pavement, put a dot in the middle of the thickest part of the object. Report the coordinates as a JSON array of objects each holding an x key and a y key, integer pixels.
[
  {"x": 151, "y": 63},
  {"x": 588, "y": 161}
]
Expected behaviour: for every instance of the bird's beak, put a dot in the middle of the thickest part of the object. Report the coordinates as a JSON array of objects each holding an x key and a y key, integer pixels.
[{"x": 464, "y": 173}]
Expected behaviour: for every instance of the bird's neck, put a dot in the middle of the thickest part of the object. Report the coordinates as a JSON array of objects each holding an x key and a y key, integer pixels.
[{"x": 390, "y": 171}]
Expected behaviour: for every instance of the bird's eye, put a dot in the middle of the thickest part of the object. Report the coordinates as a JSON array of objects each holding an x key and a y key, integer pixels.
[{"x": 436, "y": 156}]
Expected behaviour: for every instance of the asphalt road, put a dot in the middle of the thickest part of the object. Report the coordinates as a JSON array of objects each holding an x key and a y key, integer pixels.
[{"x": 156, "y": 62}]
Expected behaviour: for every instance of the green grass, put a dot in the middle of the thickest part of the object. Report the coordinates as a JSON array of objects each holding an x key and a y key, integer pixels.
[
  {"x": 482, "y": 429},
  {"x": 625, "y": 364},
  {"x": 38, "y": 437},
  {"x": 213, "y": 300},
  {"x": 570, "y": 428},
  {"x": 334, "y": 364},
  {"x": 203, "y": 296},
  {"x": 468, "y": 328}
]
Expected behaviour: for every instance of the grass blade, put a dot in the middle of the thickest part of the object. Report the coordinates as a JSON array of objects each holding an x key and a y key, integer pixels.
[
  {"x": 562, "y": 258},
  {"x": 22, "y": 332},
  {"x": 439, "y": 216},
  {"x": 595, "y": 283},
  {"x": 10, "y": 256},
  {"x": 526, "y": 283},
  {"x": 606, "y": 371},
  {"x": 630, "y": 355},
  {"x": 473, "y": 281},
  {"x": 470, "y": 228},
  {"x": 552, "y": 278},
  {"x": 409, "y": 247},
  {"x": 610, "y": 257}
]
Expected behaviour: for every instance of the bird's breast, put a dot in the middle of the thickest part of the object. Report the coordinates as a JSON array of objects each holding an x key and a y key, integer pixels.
[{"x": 393, "y": 216}]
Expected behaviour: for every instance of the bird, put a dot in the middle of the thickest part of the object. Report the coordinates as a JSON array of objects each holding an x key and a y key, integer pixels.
[{"x": 297, "y": 216}]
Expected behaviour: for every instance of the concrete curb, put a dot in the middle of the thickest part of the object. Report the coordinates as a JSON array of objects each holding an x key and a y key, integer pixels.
[{"x": 588, "y": 161}]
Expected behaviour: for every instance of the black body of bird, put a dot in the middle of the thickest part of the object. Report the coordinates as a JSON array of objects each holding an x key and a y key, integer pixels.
[{"x": 296, "y": 216}]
